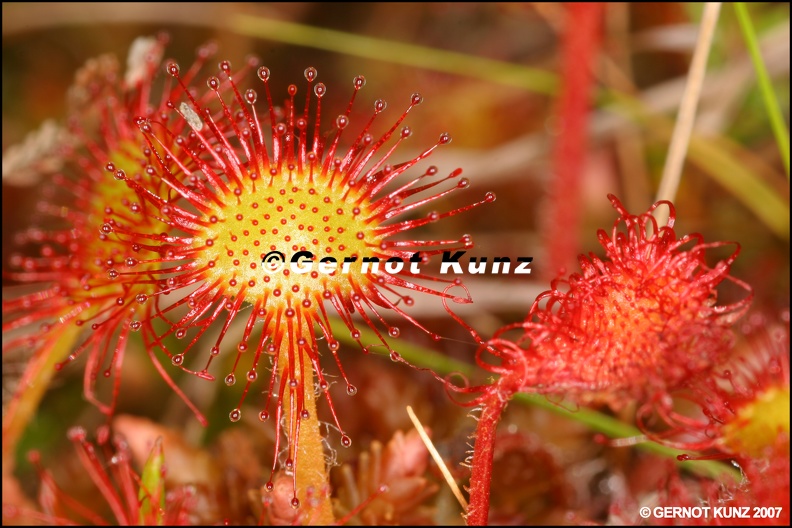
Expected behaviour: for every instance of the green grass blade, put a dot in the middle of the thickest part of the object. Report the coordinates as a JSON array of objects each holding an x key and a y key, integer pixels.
[{"x": 765, "y": 86}]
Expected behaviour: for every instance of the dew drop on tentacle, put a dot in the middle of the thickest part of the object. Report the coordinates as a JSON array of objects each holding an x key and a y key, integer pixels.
[
  {"x": 235, "y": 415},
  {"x": 359, "y": 82},
  {"x": 320, "y": 89},
  {"x": 172, "y": 68},
  {"x": 345, "y": 440},
  {"x": 295, "y": 503},
  {"x": 416, "y": 99},
  {"x": 351, "y": 390},
  {"x": 143, "y": 124},
  {"x": 264, "y": 73},
  {"x": 177, "y": 360},
  {"x": 310, "y": 73},
  {"x": 467, "y": 240},
  {"x": 251, "y": 96},
  {"x": 264, "y": 416},
  {"x": 230, "y": 379}
]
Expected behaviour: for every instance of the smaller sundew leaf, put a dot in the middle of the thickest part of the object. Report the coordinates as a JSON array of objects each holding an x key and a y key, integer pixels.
[{"x": 152, "y": 487}]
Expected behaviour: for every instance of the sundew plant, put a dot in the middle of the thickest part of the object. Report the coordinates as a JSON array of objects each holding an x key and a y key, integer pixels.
[{"x": 255, "y": 270}]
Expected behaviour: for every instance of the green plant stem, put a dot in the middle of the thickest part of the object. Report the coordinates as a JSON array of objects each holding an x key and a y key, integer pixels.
[
  {"x": 765, "y": 86},
  {"x": 151, "y": 495},
  {"x": 596, "y": 421}
]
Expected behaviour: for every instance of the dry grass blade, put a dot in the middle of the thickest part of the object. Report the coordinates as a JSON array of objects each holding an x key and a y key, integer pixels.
[
  {"x": 672, "y": 172},
  {"x": 438, "y": 459}
]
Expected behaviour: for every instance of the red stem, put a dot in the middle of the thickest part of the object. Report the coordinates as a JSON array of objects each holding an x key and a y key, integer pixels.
[
  {"x": 579, "y": 49},
  {"x": 483, "y": 451}
]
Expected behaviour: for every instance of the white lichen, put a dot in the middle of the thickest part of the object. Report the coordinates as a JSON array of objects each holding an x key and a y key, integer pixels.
[
  {"x": 191, "y": 117},
  {"x": 38, "y": 154},
  {"x": 144, "y": 54}
]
